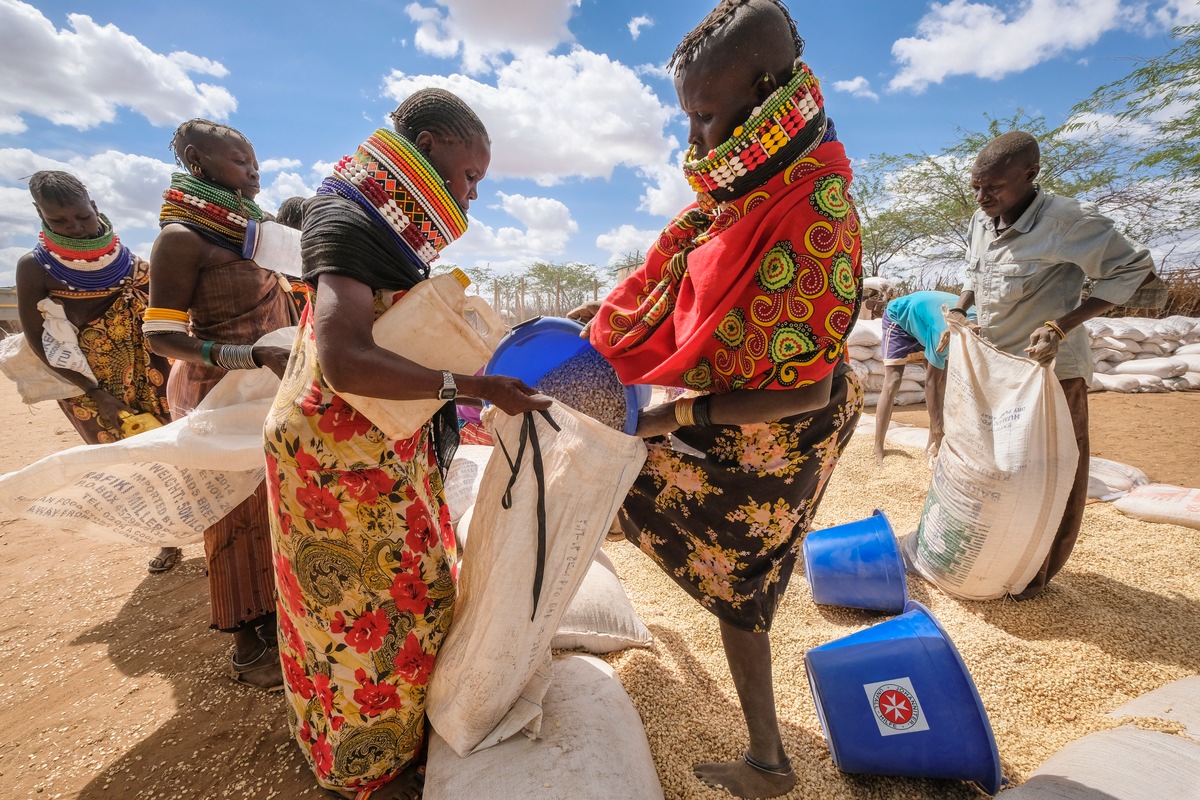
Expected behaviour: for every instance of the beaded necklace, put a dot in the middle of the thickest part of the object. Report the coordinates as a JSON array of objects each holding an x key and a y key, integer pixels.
[
  {"x": 786, "y": 127},
  {"x": 100, "y": 262},
  {"x": 389, "y": 177},
  {"x": 217, "y": 214}
]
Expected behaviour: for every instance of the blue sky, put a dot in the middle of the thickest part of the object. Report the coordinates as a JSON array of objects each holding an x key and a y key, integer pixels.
[{"x": 586, "y": 133}]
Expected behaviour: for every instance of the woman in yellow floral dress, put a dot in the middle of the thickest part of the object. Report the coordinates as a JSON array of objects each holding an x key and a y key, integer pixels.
[
  {"x": 744, "y": 302},
  {"x": 364, "y": 551}
]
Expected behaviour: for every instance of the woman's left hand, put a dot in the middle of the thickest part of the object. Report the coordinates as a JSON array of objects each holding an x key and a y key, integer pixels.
[
  {"x": 273, "y": 358},
  {"x": 585, "y": 314},
  {"x": 657, "y": 421}
]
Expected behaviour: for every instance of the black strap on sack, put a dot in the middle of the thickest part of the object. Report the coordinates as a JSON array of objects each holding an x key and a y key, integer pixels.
[{"x": 529, "y": 435}]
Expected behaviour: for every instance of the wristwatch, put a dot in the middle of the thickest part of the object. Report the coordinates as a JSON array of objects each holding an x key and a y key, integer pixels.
[{"x": 449, "y": 389}]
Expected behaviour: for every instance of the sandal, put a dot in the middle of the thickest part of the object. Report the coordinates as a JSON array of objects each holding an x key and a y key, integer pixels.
[
  {"x": 262, "y": 672},
  {"x": 167, "y": 558}
]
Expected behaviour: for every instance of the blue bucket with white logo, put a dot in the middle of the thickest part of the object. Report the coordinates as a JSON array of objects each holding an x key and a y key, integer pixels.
[
  {"x": 536, "y": 346},
  {"x": 857, "y": 565},
  {"x": 897, "y": 699}
]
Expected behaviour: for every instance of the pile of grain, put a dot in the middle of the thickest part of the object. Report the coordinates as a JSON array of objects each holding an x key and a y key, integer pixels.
[
  {"x": 588, "y": 384},
  {"x": 1121, "y": 619}
]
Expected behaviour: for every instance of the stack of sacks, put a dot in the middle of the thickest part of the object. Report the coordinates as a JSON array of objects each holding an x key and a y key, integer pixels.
[
  {"x": 1132, "y": 354},
  {"x": 866, "y": 358}
]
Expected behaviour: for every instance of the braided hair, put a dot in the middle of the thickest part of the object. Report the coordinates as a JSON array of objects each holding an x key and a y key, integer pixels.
[
  {"x": 440, "y": 112},
  {"x": 723, "y": 14},
  {"x": 57, "y": 188},
  {"x": 198, "y": 131}
]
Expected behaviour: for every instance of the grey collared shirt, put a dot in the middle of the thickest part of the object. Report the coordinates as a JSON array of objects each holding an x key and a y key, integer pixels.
[{"x": 1034, "y": 271}]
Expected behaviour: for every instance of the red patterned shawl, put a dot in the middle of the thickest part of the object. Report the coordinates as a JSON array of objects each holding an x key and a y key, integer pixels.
[{"x": 761, "y": 296}]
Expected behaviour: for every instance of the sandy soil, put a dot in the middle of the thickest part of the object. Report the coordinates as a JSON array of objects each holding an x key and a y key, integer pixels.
[{"x": 112, "y": 686}]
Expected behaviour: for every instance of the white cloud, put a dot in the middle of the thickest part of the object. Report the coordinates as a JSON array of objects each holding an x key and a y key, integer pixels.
[
  {"x": 960, "y": 37},
  {"x": 654, "y": 71},
  {"x": 278, "y": 164},
  {"x": 482, "y": 29},
  {"x": 1178, "y": 12},
  {"x": 285, "y": 185},
  {"x": 667, "y": 191},
  {"x": 626, "y": 239},
  {"x": 637, "y": 23},
  {"x": 552, "y": 117},
  {"x": 547, "y": 227},
  {"x": 858, "y": 86},
  {"x": 80, "y": 77}
]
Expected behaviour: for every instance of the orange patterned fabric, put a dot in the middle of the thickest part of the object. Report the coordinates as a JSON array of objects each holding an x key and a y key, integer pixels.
[{"x": 759, "y": 296}]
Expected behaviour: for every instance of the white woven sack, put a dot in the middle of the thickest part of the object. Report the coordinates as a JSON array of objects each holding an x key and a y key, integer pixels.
[
  {"x": 35, "y": 381},
  {"x": 493, "y": 669},
  {"x": 866, "y": 333},
  {"x": 1160, "y": 367},
  {"x": 1191, "y": 360},
  {"x": 463, "y": 477},
  {"x": 600, "y": 618},
  {"x": 1151, "y": 383},
  {"x": 593, "y": 747},
  {"x": 1162, "y": 502},
  {"x": 1124, "y": 384},
  {"x": 1097, "y": 327},
  {"x": 1119, "y": 344},
  {"x": 1002, "y": 476},
  {"x": 863, "y": 353},
  {"x": 901, "y": 398},
  {"x": 1193, "y": 379},
  {"x": 1188, "y": 350},
  {"x": 1129, "y": 328},
  {"x": 1108, "y": 480},
  {"x": 1125, "y": 763}
]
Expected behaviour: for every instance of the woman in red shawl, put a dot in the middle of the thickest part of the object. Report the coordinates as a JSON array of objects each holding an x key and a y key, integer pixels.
[{"x": 744, "y": 302}]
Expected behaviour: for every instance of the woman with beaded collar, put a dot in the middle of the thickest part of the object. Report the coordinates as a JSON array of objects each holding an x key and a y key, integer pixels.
[
  {"x": 365, "y": 556},
  {"x": 745, "y": 302},
  {"x": 101, "y": 286},
  {"x": 208, "y": 308}
]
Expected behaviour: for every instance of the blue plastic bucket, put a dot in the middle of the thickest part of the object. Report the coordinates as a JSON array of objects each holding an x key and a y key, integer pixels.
[
  {"x": 857, "y": 565},
  {"x": 537, "y": 346},
  {"x": 897, "y": 699}
]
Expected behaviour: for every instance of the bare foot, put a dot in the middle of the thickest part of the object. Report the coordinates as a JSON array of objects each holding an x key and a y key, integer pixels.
[
  {"x": 743, "y": 780},
  {"x": 262, "y": 671}
]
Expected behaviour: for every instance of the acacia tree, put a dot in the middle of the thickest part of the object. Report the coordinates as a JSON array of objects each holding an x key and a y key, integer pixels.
[
  {"x": 1163, "y": 94},
  {"x": 917, "y": 206}
]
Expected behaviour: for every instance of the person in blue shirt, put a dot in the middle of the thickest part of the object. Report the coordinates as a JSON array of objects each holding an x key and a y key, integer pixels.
[{"x": 912, "y": 327}]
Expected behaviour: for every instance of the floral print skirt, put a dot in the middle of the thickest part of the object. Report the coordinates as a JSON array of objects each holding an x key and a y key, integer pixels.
[
  {"x": 363, "y": 553},
  {"x": 725, "y": 514}
]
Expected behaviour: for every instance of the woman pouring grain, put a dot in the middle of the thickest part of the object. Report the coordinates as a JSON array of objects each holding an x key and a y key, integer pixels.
[{"x": 745, "y": 301}]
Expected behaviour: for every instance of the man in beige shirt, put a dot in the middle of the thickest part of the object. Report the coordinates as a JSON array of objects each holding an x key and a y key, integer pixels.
[{"x": 1029, "y": 254}]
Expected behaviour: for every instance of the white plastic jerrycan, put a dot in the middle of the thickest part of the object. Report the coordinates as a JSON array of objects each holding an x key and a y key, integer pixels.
[{"x": 437, "y": 325}]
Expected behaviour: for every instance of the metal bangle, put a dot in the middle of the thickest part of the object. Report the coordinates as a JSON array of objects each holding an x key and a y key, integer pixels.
[
  {"x": 683, "y": 411},
  {"x": 235, "y": 356},
  {"x": 700, "y": 410}
]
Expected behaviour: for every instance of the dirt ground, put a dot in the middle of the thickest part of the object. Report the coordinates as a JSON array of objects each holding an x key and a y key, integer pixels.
[{"x": 112, "y": 686}]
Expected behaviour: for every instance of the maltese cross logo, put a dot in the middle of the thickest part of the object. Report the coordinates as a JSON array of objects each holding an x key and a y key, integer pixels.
[{"x": 895, "y": 706}]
